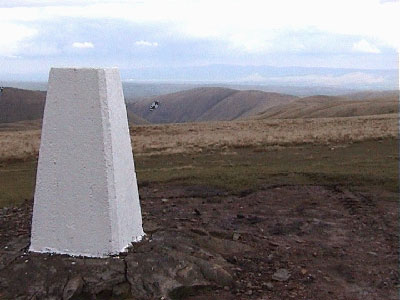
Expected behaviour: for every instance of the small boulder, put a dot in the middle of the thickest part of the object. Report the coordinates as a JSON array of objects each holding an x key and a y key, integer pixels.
[
  {"x": 281, "y": 275},
  {"x": 73, "y": 288}
]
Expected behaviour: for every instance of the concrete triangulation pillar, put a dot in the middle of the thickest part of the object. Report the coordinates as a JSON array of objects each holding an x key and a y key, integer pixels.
[{"x": 86, "y": 199}]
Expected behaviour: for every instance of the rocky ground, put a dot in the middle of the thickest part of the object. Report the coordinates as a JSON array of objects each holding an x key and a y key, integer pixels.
[{"x": 279, "y": 242}]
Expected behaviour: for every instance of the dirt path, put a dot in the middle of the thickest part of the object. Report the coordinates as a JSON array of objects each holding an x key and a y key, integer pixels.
[{"x": 280, "y": 242}]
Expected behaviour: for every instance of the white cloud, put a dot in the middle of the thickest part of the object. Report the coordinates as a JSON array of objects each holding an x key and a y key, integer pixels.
[
  {"x": 252, "y": 26},
  {"x": 146, "y": 43},
  {"x": 12, "y": 38},
  {"x": 82, "y": 45},
  {"x": 41, "y": 3},
  {"x": 365, "y": 46}
]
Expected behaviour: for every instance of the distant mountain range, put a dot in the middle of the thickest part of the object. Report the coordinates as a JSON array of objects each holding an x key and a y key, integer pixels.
[
  {"x": 146, "y": 82},
  {"x": 305, "y": 77},
  {"x": 135, "y": 91}
]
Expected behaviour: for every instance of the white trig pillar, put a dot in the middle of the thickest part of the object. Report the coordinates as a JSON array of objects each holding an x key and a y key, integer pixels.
[{"x": 86, "y": 199}]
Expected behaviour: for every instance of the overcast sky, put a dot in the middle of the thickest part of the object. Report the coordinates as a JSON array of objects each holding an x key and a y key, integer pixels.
[{"x": 36, "y": 35}]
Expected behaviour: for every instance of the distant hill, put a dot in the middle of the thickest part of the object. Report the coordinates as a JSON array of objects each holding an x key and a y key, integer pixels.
[
  {"x": 207, "y": 104},
  {"x": 243, "y": 104},
  {"x": 331, "y": 106},
  {"x": 370, "y": 95},
  {"x": 135, "y": 119},
  {"x": 24, "y": 105},
  {"x": 217, "y": 104},
  {"x": 18, "y": 105}
]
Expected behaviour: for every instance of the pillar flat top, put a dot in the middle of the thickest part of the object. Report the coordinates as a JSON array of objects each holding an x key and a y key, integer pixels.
[{"x": 84, "y": 68}]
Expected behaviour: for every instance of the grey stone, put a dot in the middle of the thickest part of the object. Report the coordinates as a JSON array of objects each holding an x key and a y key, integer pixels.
[
  {"x": 73, "y": 288},
  {"x": 281, "y": 275}
]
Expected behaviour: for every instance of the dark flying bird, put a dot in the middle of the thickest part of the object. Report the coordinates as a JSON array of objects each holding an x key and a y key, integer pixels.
[{"x": 154, "y": 105}]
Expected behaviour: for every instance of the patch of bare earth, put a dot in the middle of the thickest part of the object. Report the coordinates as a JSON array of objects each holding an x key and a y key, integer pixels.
[{"x": 279, "y": 242}]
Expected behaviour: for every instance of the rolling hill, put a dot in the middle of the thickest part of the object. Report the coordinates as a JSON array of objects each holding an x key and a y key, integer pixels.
[
  {"x": 332, "y": 106},
  {"x": 135, "y": 119},
  {"x": 243, "y": 104},
  {"x": 217, "y": 104},
  {"x": 18, "y": 105},
  {"x": 207, "y": 104},
  {"x": 371, "y": 95}
]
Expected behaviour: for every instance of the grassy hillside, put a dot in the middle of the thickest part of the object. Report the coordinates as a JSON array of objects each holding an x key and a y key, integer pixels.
[
  {"x": 17, "y": 105},
  {"x": 23, "y": 144},
  {"x": 223, "y": 104},
  {"x": 331, "y": 106},
  {"x": 370, "y": 95},
  {"x": 185, "y": 106},
  {"x": 244, "y": 103},
  {"x": 135, "y": 119},
  {"x": 217, "y": 104},
  {"x": 207, "y": 104}
]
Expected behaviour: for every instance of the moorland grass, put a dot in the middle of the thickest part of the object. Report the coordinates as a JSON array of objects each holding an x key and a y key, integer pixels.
[
  {"x": 188, "y": 138},
  {"x": 368, "y": 165}
]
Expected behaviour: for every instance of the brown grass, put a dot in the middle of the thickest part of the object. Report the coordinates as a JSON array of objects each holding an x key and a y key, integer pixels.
[
  {"x": 199, "y": 137},
  {"x": 330, "y": 107},
  {"x": 19, "y": 145},
  {"x": 23, "y": 144}
]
